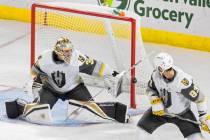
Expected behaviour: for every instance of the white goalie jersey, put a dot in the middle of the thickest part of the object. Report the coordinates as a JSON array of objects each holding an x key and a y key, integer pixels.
[
  {"x": 176, "y": 94},
  {"x": 63, "y": 77}
]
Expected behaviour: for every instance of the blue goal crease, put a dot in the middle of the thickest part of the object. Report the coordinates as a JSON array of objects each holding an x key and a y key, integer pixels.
[{"x": 58, "y": 111}]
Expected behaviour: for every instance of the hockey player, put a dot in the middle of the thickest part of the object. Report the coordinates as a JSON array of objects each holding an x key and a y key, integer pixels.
[
  {"x": 57, "y": 73},
  {"x": 171, "y": 92}
]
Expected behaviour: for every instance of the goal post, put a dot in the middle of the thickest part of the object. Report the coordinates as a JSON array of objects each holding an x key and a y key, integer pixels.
[{"x": 96, "y": 32}]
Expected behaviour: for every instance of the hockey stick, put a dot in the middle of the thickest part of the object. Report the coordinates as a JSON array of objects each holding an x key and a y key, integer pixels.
[
  {"x": 188, "y": 120},
  {"x": 170, "y": 115}
]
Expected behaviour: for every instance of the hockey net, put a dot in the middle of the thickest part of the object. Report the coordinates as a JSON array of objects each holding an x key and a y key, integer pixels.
[{"x": 98, "y": 32}]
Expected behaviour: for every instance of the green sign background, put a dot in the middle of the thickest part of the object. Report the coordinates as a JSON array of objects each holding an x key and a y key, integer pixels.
[{"x": 121, "y": 4}]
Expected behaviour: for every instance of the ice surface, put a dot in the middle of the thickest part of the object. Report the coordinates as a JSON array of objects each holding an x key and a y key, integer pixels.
[{"x": 14, "y": 46}]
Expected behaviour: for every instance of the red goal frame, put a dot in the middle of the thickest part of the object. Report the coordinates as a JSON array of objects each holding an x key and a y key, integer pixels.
[{"x": 120, "y": 18}]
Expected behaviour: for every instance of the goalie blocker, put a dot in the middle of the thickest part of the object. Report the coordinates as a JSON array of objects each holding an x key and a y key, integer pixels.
[{"x": 114, "y": 84}]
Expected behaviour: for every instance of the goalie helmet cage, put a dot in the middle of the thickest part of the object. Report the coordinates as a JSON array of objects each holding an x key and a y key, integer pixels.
[{"x": 49, "y": 21}]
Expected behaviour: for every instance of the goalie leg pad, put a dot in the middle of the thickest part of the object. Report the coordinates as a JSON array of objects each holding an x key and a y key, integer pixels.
[
  {"x": 106, "y": 110},
  {"x": 115, "y": 110},
  {"x": 120, "y": 114},
  {"x": 90, "y": 106},
  {"x": 15, "y": 108},
  {"x": 38, "y": 113}
]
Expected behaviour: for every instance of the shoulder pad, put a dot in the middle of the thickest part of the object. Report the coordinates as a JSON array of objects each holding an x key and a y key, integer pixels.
[
  {"x": 81, "y": 58},
  {"x": 156, "y": 75},
  {"x": 191, "y": 92},
  {"x": 45, "y": 58},
  {"x": 185, "y": 80}
]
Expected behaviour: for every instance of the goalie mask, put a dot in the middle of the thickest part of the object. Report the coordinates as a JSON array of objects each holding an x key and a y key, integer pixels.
[
  {"x": 63, "y": 48},
  {"x": 163, "y": 62}
]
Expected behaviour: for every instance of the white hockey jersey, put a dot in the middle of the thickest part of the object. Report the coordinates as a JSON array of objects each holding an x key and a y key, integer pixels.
[
  {"x": 63, "y": 77},
  {"x": 176, "y": 94}
]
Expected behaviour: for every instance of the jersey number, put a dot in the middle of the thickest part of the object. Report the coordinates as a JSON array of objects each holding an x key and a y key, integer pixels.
[
  {"x": 89, "y": 61},
  {"x": 193, "y": 93}
]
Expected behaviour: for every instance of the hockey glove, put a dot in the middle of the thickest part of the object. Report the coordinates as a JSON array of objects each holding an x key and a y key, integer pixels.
[
  {"x": 113, "y": 84},
  {"x": 157, "y": 106},
  {"x": 205, "y": 122}
]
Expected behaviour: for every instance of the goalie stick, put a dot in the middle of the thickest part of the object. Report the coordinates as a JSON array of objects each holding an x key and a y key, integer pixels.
[
  {"x": 139, "y": 61},
  {"x": 118, "y": 88},
  {"x": 76, "y": 111}
]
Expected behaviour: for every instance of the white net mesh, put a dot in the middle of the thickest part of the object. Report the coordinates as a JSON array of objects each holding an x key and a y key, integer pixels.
[{"x": 106, "y": 39}]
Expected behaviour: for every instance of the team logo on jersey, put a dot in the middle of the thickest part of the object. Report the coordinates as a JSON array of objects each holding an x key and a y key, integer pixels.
[
  {"x": 185, "y": 82},
  {"x": 59, "y": 78},
  {"x": 121, "y": 4}
]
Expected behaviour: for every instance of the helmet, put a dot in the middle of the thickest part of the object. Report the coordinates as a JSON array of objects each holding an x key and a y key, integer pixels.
[
  {"x": 63, "y": 48},
  {"x": 163, "y": 61}
]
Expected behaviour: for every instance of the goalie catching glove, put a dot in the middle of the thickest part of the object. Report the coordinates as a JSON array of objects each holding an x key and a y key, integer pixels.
[{"x": 113, "y": 83}]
